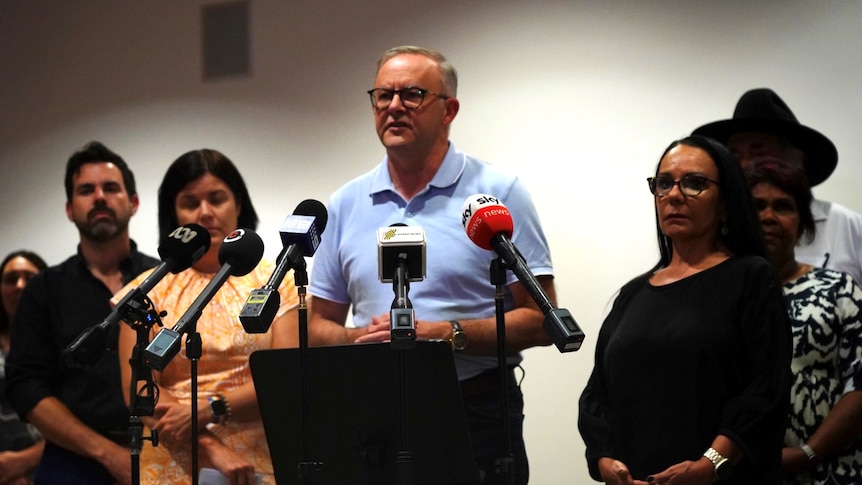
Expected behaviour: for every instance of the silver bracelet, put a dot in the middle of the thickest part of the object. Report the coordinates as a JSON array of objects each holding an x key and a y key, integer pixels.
[{"x": 808, "y": 451}]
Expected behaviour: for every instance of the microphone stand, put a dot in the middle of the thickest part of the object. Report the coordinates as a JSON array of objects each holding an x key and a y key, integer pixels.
[
  {"x": 504, "y": 465},
  {"x": 142, "y": 400},
  {"x": 194, "y": 350},
  {"x": 403, "y": 338},
  {"x": 306, "y": 468}
]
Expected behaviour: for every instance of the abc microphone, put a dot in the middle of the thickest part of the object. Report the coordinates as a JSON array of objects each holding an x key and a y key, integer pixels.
[
  {"x": 239, "y": 254},
  {"x": 488, "y": 224},
  {"x": 300, "y": 235},
  {"x": 183, "y": 247},
  {"x": 400, "y": 260}
]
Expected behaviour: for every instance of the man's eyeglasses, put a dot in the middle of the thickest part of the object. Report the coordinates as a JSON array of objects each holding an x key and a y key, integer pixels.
[
  {"x": 411, "y": 98},
  {"x": 691, "y": 185}
]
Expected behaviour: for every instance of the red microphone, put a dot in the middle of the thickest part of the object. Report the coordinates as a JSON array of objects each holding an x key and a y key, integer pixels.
[
  {"x": 488, "y": 224},
  {"x": 483, "y": 217}
]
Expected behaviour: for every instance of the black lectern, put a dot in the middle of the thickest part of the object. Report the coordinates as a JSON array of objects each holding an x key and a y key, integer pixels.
[{"x": 354, "y": 415}]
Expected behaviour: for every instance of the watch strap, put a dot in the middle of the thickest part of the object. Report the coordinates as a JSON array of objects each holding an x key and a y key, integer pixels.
[
  {"x": 808, "y": 452},
  {"x": 220, "y": 409},
  {"x": 717, "y": 461}
]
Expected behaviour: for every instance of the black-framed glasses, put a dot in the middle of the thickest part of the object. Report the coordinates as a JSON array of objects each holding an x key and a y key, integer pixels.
[
  {"x": 411, "y": 98},
  {"x": 691, "y": 184}
]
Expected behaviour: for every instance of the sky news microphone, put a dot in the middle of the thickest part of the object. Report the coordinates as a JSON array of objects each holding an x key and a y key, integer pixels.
[
  {"x": 239, "y": 254},
  {"x": 489, "y": 225},
  {"x": 183, "y": 247},
  {"x": 300, "y": 235}
]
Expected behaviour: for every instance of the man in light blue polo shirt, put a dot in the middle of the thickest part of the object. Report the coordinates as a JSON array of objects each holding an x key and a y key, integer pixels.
[{"x": 424, "y": 181}]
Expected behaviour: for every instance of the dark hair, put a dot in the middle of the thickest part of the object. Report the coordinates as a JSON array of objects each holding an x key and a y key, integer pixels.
[
  {"x": 791, "y": 180},
  {"x": 191, "y": 166},
  {"x": 743, "y": 227},
  {"x": 96, "y": 152},
  {"x": 34, "y": 258}
]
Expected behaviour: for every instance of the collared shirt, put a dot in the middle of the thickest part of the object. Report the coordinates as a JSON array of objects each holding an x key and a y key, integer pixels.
[
  {"x": 837, "y": 242},
  {"x": 57, "y": 305},
  {"x": 458, "y": 281}
]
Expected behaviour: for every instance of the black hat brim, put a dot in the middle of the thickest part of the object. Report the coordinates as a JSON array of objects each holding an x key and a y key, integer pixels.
[{"x": 821, "y": 156}]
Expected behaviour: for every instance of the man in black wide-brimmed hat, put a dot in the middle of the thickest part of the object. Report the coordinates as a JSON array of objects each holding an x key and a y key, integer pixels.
[{"x": 764, "y": 126}]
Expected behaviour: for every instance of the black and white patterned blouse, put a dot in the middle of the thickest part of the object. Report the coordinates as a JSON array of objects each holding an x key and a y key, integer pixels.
[{"x": 824, "y": 307}]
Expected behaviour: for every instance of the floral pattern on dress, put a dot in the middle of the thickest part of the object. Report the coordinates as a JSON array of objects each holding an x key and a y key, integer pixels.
[{"x": 824, "y": 307}]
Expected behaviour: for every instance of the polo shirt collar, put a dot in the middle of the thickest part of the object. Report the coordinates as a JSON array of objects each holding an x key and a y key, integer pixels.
[{"x": 448, "y": 173}]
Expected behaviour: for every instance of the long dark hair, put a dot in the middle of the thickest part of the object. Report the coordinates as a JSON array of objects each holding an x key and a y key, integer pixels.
[
  {"x": 191, "y": 166},
  {"x": 37, "y": 261},
  {"x": 743, "y": 227}
]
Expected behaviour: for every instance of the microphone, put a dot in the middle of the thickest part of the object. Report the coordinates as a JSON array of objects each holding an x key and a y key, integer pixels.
[
  {"x": 400, "y": 242},
  {"x": 489, "y": 225},
  {"x": 239, "y": 253},
  {"x": 183, "y": 247},
  {"x": 400, "y": 260},
  {"x": 300, "y": 235}
]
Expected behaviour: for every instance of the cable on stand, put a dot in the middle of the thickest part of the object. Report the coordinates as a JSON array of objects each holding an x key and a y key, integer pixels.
[{"x": 143, "y": 392}]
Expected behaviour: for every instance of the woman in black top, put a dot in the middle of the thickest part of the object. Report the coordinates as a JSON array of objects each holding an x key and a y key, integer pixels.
[{"x": 692, "y": 364}]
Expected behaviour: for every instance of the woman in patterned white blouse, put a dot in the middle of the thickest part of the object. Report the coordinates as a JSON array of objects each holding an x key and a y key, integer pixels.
[{"x": 823, "y": 442}]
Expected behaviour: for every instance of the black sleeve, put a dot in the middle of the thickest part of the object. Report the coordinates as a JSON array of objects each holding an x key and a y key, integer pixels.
[
  {"x": 756, "y": 417},
  {"x": 32, "y": 358},
  {"x": 594, "y": 416}
]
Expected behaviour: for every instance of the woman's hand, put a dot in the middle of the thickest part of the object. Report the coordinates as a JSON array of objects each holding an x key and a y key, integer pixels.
[
  {"x": 615, "y": 472},
  {"x": 700, "y": 472},
  {"x": 173, "y": 423},
  {"x": 237, "y": 470}
]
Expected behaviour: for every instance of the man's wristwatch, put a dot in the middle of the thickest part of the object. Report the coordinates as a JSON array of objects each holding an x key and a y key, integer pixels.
[
  {"x": 220, "y": 409},
  {"x": 723, "y": 466},
  {"x": 459, "y": 338}
]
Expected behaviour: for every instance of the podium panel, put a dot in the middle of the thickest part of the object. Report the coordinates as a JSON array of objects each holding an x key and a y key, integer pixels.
[{"x": 354, "y": 422}]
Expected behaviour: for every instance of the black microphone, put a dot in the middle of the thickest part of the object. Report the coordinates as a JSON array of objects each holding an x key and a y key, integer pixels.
[
  {"x": 300, "y": 235},
  {"x": 239, "y": 254},
  {"x": 400, "y": 260},
  {"x": 183, "y": 247},
  {"x": 489, "y": 225}
]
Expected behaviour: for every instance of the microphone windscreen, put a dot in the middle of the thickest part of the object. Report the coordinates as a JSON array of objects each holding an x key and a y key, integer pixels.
[
  {"x": 483, "y": 217},
  {"x": 311, "y": 207},
  {"x": 243, "y": 249},
  {"x": 184, "y": 246}
]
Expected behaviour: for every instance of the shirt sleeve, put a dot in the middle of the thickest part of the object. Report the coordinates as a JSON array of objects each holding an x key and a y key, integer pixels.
[
  {"x": 33, "y": 358},
  {"x": 755, "y": 416},
  {"x": 594, "y": 417}
]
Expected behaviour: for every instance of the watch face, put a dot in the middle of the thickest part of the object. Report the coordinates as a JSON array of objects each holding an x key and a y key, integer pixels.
[
  {"x": 459, "y": 340},
  {"x": 724, "y": 470},
  {"x": 218, "y": 407}
]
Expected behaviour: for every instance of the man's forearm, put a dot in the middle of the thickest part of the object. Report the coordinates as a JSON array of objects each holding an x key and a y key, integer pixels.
[
  {"x": 327, "y": 332},
  {"x": 59, "y": 426}
]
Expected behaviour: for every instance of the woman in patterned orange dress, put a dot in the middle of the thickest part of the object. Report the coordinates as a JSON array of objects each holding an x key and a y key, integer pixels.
[{"x": 204, "y": 187}]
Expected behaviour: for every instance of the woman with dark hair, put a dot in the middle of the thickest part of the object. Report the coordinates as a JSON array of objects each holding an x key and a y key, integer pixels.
[
  {"x": 204, "y": 187},
  {"x": 692, "y": 362},
  {"x": 20, "y": 443},
  {"x": 823, "y": 440}
]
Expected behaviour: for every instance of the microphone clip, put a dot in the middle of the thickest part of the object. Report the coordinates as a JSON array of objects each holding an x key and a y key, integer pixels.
[{"x": 402, "y": 321}]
